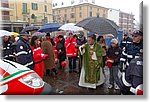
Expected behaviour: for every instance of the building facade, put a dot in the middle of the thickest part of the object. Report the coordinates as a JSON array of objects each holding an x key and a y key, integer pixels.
[
  {"x": 28, "y": 12},
  {"x": 113, "y": 15},
  {"x": 126, "y": 21},
  {"x": 76, "y": 13}
]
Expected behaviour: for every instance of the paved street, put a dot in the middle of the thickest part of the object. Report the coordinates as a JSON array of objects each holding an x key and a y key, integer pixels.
[{"x": 67, "y": 83}]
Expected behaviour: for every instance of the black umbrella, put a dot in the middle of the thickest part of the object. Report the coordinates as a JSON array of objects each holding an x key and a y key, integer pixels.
[
  {"x": 99, "y": 25},
  {"x": 49, "y": 27},
  {"x": 29, "y": 28}
]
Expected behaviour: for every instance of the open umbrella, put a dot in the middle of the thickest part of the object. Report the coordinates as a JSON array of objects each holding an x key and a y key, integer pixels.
[
  {"x": 49, "y": 27},
  {"x": 99, "y": 25},
  {"x": 29, "y": 28},
  {"x": 4, "y": 33},
  {"x": 14, "y": 34},
  {"x": 70, "y": 27},
  {"x": 39, "y": 34}
]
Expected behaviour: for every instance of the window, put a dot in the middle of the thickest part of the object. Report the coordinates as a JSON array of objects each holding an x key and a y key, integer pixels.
[
  {"x": 80, "y": 8},
  {"x": 90, "y": 8},
  {"x": 98, "y": 9},
  {"x": 34, "y": 6},
  {"x": 65, "y": 10},
  {"x": 45, "y": 8},
  {"x": 59, "y": 11},
  {"x": 80, "y": 15},
  {"x": 91, "y": 14},
  {"x": 24, "y": 8},
  {"x": 72, "y": 9},
  {"x": 72, "y": 15},
  {"x": 65, "y": 16}
]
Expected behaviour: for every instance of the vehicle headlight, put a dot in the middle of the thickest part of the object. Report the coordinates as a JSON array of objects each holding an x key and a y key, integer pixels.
[{"x": 32, "y": 80}]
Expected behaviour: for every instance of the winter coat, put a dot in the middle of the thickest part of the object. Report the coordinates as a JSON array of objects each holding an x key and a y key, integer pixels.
[
  {"x": 71, "y": 51},
  {"x": 38, "y": 58},
  {"x": 114, "y": 53},
  {"x": 23, "y": 53},
  {"x": 49, "y": 61},
  {"x": 60, "y": 46},
  {"x": 7, "y": 50}
]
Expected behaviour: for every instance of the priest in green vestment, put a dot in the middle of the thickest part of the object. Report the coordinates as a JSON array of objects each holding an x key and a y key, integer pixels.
[{"x": 91, "y": 72}]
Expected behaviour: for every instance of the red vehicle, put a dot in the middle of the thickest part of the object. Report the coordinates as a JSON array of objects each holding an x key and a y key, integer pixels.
[{"x": 16, "y": 79}]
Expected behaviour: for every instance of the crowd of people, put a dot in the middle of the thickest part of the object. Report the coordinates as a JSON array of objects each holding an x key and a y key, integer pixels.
[{"x": 118, "y": 66}]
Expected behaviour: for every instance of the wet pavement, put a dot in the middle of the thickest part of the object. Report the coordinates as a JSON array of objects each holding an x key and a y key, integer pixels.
[{"x": 65, "y": 83}]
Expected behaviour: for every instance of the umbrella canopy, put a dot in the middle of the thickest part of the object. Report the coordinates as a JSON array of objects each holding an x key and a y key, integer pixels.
[
  {"x": 14, "y": 34},
  {"x": 70, "y": 27},
  {"x": 49, "y": 27},
  {"x": 29, "y": 28},
  {"x": 38, "y": 34},
  {"x": 4, "y": 33},
  {"x": 99, "y": 25}
]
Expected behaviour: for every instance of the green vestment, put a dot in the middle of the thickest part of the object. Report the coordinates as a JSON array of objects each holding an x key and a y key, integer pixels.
[{"x": 92, "y": 67}]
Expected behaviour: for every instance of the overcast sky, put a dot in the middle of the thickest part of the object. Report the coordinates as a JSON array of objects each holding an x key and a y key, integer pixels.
[{"x": 124, "y": 5}]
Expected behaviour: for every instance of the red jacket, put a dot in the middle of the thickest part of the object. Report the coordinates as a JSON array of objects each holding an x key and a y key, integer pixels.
[
  {"x": 71, "y": 51},
  {"x": 38, "y": 58}
]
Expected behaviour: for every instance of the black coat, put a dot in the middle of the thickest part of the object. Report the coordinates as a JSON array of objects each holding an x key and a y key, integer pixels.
[
  {"x": 7, "y": 50},
  {"x": 60, "y": 46},
  {"x": 114, "y": 53},
  {"x": 23, "y": 53}
]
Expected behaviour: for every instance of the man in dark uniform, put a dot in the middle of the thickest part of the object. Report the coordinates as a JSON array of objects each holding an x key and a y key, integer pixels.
[
  {"x": 131, "y": 51},
  {"x": 7, "y": 51},
  {"x": 125, "y": 41},
  {"x": 23, "y": 52}
]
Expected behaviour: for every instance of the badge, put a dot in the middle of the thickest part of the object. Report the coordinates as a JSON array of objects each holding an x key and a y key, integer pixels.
[
  {"x": 139, "y": 63},
  {"x": 21, "y": 47},
  {"x": 141, "y": 50}
]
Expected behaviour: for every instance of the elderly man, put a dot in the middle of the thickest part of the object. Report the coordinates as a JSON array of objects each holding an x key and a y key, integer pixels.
[{"x": 91, "y": 72}]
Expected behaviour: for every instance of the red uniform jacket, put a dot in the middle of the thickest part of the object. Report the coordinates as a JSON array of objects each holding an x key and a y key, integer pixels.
[
  {"x": 38, "y": 58},
  {"x": 71, "y": 51}
]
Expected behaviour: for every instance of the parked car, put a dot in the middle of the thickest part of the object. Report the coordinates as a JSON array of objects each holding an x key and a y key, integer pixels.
[{"x": 16, "y": 79}]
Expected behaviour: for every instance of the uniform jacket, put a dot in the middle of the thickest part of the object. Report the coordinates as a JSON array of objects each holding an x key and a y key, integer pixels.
[
  {"x": 71, "y": 51},
  {"x": 38, "y": 57},
  {"x": 7, "y": 50},
  {"x": 125, "y": 42},
  {"x": 131, "y": 51},
  {"x": 132, "y": 78},
  {"x": 23, "y": 53}
]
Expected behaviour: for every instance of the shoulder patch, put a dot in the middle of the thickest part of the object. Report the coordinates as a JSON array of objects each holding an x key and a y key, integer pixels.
[
  {"x": 139, "y": 63},
  {"x": 21, "y": 47}
]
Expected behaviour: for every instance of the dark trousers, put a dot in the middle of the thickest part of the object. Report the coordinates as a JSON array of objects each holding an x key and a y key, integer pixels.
[{"x": 72, "y": 63}]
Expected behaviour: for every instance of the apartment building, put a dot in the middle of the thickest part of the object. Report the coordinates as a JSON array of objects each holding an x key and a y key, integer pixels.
[
  {"x": 126, "y": 21},
  {"x": 27, "y": 12},
  {"x": 76, "y": 13}
]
